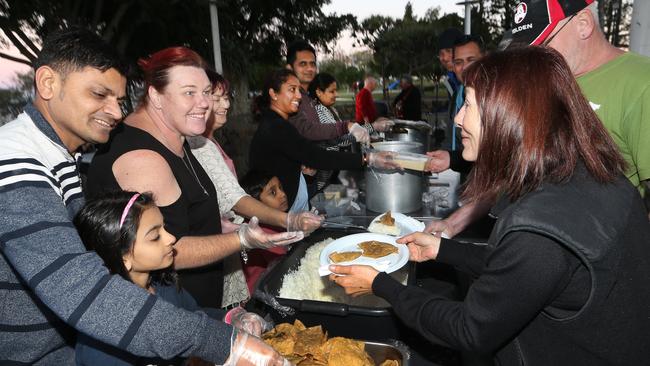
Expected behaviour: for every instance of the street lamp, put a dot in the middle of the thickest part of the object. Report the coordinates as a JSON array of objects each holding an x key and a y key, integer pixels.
[
  {"x": 216, "y": 40},
  {"x": 468, "y": 14}
]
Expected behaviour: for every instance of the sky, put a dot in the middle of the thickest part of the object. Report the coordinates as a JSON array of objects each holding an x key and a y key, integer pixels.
[{"x": 360, "y": 8}]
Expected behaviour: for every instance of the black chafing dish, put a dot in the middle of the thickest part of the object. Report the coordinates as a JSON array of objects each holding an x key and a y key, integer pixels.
[{"x": 359, "y": 322}]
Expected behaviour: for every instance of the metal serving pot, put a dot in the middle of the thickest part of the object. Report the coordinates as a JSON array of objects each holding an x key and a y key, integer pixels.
[
  {"x": 403, "y": 132},
  {"x": 399, "y": 191}
]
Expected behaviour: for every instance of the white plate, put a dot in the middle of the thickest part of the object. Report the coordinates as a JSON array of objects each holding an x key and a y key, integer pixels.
[
  {"x": 406, "y": 224},
  {"x": 388, "y": 264}
]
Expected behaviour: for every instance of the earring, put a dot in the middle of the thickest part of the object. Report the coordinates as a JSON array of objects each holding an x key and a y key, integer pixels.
[{"x": 275, "y": 98}]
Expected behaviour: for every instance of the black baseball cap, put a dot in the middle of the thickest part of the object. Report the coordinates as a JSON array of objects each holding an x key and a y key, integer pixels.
[
  {"x": 536, "y": 19},
  {"x": 448, "y": 38}
]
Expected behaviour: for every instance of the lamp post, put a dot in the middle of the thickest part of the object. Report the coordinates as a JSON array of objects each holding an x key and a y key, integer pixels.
[
  {"x": 468, "y": 14},
  {"x": 216, "y": 40}
]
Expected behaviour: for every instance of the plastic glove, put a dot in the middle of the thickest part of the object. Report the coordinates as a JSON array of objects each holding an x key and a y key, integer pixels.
[
  {"x": 439, "y": 160},
  {"x": 247, "y": 321},
  {"x": 383, "y": 160},
  {"x": 440, "y": 228},
  {"x": 382, "y": 124},
  {"x": 360, "y": 134},
  {"x": 252, "y": 236},
  {"x": 246, "y": 350},
  {"x": 305, "y": 221}
]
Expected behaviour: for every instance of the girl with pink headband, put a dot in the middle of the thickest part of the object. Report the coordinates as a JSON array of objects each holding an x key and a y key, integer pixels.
[{"x": 127, "y": 231}]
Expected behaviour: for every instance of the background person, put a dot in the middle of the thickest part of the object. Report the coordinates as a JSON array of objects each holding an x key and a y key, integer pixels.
[
  {"x": 301, "y": 59},
  {"x": 323, "y": 91},
  {"x": 467, "y": 49},
  {"x": 561, "y": 281},
  {"x": 408, "y": 103},
  {"x": 149, "y": 153},
  {"x": 49, "y": 279},
  {"x": 615, "y": 82},
  {"x": 279, "y": 150},
  {"x": 365, "y": 110}
]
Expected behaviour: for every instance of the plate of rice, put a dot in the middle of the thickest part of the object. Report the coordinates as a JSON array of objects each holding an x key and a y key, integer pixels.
[
  {"x": 379, "y": 251},
  {"x": 395, "y": 223}
]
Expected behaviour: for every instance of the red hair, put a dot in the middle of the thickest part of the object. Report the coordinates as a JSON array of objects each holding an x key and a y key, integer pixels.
[
  {"x": 155, "y": 68},
  {"x": 536, "y": 125}
]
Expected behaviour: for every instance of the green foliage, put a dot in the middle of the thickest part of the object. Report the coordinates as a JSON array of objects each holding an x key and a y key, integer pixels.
[
  {"x": 253, "y": 32},
  {"x": 407, "y": 45},
  {"x": 14, "y": 97},
  {"x": 344, "y": 73}
]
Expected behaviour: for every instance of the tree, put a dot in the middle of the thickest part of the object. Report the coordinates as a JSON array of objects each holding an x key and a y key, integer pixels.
[{"x": 14, "y": 98}]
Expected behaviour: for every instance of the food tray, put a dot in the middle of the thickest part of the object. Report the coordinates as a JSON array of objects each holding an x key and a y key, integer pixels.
[{"x": 358, "y": 322}]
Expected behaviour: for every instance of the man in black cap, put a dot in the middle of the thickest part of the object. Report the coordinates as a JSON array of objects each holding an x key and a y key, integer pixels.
[
  {"x": 616, "y": 83},
  {"x": 446, "y": 42}
]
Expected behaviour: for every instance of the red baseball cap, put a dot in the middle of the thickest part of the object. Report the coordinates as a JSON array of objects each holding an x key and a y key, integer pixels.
[{"x": 534, "y": 20}]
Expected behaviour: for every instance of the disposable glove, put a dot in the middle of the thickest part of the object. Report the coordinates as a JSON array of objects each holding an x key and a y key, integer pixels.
[
  {"x": 360, "y": 134},
  {"x": 305, "y": 221},
  {"x": 252, "y": 236},
  {"x": 247, "y": 321},
  {"x": 382, "y": 124},
  {"x": 383, "y": 160},
  {"x": 246, "y": 350}
]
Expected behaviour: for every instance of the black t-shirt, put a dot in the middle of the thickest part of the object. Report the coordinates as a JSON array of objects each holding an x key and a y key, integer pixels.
[{"x": 195, "y": 213}]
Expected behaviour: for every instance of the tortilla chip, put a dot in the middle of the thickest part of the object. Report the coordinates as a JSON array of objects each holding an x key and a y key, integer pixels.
[
  {"x": 387, "y": 219},
  {"x": 346, "y": 352},
  {"x": 377, "y": 249},
  {"x": 338, "y": 257},
  {"x": 310, "y": 341},
  {"x": 282, "y": 342}
]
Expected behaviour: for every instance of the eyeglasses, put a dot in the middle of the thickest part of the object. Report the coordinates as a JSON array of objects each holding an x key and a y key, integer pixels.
[{"x": 548, "y": 40}]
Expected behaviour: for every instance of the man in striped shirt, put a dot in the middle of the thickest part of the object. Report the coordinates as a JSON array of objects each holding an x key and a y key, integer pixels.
[{"x": 50, "y": 286}]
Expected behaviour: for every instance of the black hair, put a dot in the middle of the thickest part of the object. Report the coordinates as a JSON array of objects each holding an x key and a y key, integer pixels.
[
  {"x": 273, "y": 81},
  {"x": 98, "y": 224},
  {"x": 297, "y": 46},
  {"x": 254, "y": 182},
  {"x": 321, "y": 82},
  {"x": 72, "y": 49},
  {"x": 466, "y": 39}
]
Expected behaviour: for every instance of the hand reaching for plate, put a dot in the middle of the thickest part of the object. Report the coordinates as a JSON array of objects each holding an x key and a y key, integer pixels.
[
  {"x": 422, "y": 246},
  {"x": 356, "y": 280}
]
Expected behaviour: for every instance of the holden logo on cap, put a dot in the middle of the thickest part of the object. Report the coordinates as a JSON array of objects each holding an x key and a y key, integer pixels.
[{"x": 520, "y": 12}]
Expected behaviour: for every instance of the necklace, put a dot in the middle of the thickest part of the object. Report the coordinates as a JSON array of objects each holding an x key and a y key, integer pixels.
[{"x": 190, "y": 168}]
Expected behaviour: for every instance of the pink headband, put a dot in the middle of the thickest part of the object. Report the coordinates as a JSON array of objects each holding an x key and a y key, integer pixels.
[{"x": 128, "y": 206}]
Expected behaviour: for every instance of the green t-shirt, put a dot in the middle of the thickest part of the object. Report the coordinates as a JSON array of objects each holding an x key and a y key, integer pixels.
[{"x": 619, "y": 93}]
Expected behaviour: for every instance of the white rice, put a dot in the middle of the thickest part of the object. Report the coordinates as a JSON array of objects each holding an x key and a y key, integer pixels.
[
  {"x": 305, "y": 283},
  {"x": 379, "y": 228}
]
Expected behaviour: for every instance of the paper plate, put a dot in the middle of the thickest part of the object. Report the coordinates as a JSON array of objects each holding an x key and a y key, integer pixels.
[
  {"x": 406, "y": 224},
  {"x": 388, "y": 264}
]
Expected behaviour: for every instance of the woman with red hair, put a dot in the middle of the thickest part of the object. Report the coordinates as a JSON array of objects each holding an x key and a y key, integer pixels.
[{"x": 563, "y": 278}]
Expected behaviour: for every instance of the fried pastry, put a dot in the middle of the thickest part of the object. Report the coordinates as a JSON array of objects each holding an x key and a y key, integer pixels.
[
  {"x": 377, "y": 249},
  {"x": 338, "y": 257}
]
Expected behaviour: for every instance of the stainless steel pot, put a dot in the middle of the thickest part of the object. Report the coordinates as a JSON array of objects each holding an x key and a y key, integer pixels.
[
  {"x": 392, "y": 189},
  {"x": 401, "y": 132}
]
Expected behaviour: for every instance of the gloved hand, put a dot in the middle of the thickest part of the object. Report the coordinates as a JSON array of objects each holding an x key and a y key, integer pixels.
[
  {"x": 383, "y": 160},
  {"x": 382, "y": 124},
  {"x": 252, "y": 236},
  {"x": 439, "y": 160},
  {"x": 441, "y": 228},
  {"x": 360, "y": 134},
  {"x": 305, "y": 221},
  {"x": 247, "y": 321},
  {"x": 246, "y": 350}
]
